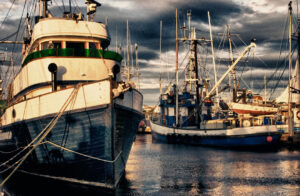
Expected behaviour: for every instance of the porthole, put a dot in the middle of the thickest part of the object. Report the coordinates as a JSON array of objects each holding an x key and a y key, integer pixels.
[{"x": 14, "y": 113}]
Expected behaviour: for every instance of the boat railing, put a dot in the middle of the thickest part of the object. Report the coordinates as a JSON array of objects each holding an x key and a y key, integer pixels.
[
  {"x": 249, "y": 122},
  {"x": 73, "y": 52}
]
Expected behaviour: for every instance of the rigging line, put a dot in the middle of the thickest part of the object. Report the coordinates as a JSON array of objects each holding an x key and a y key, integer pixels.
[
  {"x": 273, "y": 76},
  {"x": 63, "y": 5},
  {"x": 241, "y": 39},
  {"x": 45, "y": 129},
  {"x": 278, "y": 80},
  {"x": 294, "y": 20},
  {"x": 14, "y": 45},
  {"x": 58, "y": 6},
  {"x": 31, "y": 9},
  {"x": 67, "y": 127},
  {"x": 12, "y": 151},
  {"x": 9, "y": 36},
  {"x": 221, "y": 40},
  {"x": 273, "y": 90},
  {"x": 84, "y": 155},
  {"x": 34, "y": 11},
  {"x": 7, "y": 13},
  {"x": 78, "y": 7},
  {"x": 173, "y": 77}
]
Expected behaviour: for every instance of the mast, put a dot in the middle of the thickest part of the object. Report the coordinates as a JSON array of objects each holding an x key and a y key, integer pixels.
[
  {"x": 137, "y": 65},
  {"x": 194, "y": 44},
  {"x": 290, "y": 123},
  {"x": 44, "y": 10},
  {"x": 176, "y": 67},
  {"x": 127, "y": 43},
  {"x": 232, "y": 61},
  {"x": 213, "y": 55},
  {"x": 160, "y": 88},
  {"x": 189, "y": 15},
  {"x": 70, "y": 7},
  {"x": 116, "y": 38},
  {"x": 265, "y": 81}
]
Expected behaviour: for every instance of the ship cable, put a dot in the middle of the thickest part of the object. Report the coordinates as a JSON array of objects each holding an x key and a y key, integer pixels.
[
  {"x": 81, "y": 154},
  {"x": 46, "y": 131},
  {"x": 32, "y": 142},
  {"x": 109, "y": 71},
  {"x": 67, "y": 125},
  {"x": 8, "y": 152},
  {"x": 7, "y": 13},
  {"x": 14, "y": 46}
]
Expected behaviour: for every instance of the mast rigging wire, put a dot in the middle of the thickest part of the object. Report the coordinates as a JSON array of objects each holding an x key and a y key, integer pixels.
[{"x": 7, "y": 13}]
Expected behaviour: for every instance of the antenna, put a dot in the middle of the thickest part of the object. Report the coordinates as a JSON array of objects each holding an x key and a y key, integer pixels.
[{"x": 189, "y": 14}]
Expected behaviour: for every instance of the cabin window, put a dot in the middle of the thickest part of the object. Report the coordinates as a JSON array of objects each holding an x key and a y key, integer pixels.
[
  {"x": 77, "y": 45},
  {"x": 45, "y": 45},
  {"x": 57, "y": 44},
  {"x": 92, "y": 45}
]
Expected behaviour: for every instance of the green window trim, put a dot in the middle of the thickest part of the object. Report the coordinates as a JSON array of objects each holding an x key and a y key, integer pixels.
[{"x": 71, "y": 52}]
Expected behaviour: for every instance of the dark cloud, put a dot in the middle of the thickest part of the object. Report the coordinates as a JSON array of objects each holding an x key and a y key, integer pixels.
[{"x": 144, "y": 22}]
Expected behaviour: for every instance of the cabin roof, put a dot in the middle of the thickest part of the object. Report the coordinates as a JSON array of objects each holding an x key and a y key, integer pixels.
[{"x": 54, "y": 27}]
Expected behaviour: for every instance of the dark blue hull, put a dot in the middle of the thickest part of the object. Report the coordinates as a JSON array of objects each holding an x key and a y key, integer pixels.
[
  {"x": 93, "y": 145},
  {"x": 221, "y": 141}
]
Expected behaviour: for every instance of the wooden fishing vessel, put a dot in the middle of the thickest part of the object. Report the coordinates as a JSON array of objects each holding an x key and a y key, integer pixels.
[
  {"x": 70, "y": 115},
  {"x": 186, "y": 117}
]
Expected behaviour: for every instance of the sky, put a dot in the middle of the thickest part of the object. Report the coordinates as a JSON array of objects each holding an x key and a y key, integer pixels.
[{"x": 264, "y": 20}]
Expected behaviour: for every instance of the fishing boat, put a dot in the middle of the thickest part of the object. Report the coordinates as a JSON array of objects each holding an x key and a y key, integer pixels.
[
  {"x": 71, "y": 117},
  {"x": 187, "y": 116},
  {"x": 255, "y": 107}
]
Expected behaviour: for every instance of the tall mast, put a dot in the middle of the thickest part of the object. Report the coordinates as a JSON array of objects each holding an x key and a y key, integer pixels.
[
  {"x": 265, "y": 81},
  {"x": 128, "y": 63},
  {"x": 131, "y": 56},
  {"x": 189, "y": 14},
  {"x": 44, "y": 9},
  {"x": 176, "y": 67},
  {"x": 116, "y": 38},
  {"x": 290, "y": 123},
  {"x": 213, "y": 55},
  {"x": 160, "y": 88},
  {"x": 70, "y": 7},
  {"x": 194, "y": 44},
  {"x": 232, "y": 61},
  {"x": 137, "y": 65}
]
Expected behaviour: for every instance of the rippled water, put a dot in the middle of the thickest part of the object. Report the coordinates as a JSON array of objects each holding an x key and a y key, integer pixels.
[
  {"x": 168, "y": 169},
  {"x": 165, "y": 169}
]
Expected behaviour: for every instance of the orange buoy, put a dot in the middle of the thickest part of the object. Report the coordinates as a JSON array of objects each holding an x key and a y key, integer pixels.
[{"x": 269, "y": 139}]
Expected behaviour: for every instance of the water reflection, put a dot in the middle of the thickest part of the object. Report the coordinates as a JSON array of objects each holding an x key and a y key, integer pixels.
[{"x": 163, "y": 169}]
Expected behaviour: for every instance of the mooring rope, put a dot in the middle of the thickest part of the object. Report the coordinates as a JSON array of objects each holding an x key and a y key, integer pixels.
[
  {"x": 84, "y": 155},
  {"x": 31, "y": 143},
  {"x": 45, "y": 132}
]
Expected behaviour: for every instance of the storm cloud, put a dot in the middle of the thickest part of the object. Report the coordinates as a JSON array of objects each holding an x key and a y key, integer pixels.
[{"x": 264, "y": 20}]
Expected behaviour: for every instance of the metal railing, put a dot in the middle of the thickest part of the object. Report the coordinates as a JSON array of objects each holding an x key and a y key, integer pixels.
[{"x": 73, "y": 52}]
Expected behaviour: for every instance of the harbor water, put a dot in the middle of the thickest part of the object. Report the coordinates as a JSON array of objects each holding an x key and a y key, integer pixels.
[{"x": 173, "y": 169}]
